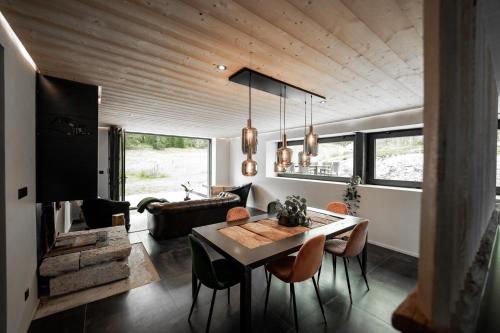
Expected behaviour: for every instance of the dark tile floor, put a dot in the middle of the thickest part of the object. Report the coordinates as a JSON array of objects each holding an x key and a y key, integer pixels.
[{"x": 164, "y": 306}]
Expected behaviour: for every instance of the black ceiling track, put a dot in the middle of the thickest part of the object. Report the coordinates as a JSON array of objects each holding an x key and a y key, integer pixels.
[{"x": 270, "y": 85}]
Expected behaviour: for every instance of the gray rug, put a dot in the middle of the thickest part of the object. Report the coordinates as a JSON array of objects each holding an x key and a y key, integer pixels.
[{"x": 142, "y": 272}]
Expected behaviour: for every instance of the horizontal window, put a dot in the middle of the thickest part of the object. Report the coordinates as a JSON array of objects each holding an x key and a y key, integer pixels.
[
  {"x": 396, "y": 158},
  {"x": 335, "y": 160}
]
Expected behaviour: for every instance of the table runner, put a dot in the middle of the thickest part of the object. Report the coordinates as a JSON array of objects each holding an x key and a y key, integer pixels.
[{"x": 266, "y": 231}]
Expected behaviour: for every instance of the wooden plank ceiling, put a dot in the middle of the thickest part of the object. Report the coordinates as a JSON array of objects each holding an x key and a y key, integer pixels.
[{"x": 156, "y": 59}]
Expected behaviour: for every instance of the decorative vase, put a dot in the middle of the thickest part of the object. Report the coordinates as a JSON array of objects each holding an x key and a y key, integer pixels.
[{"x": 288, "y": 221}]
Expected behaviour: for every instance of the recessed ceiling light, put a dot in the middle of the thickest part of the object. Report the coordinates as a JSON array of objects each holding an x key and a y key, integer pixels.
[
  {"x": 221, "y": 67},
  {"x": 322, "y": 101}
]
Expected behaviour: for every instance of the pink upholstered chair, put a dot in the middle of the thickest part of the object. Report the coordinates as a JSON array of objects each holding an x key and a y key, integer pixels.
[
  {"x": 339, "y": 208},
  {"x": 237, "y": 213}
]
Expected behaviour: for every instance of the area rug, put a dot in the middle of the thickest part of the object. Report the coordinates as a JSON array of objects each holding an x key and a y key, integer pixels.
[{"x": 142, "y": 272}]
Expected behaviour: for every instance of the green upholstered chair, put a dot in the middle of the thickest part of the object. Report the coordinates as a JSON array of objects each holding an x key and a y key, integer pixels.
[
  {"x": 271, "y": 207},
  {"x": 217, "y": 275}
]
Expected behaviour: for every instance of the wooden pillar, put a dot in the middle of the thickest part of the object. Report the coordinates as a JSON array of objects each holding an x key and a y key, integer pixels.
[{"x": 460, "y": 126}]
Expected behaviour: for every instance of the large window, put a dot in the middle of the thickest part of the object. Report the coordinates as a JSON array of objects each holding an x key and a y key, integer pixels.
[
  {"x": 157, "y": 165},
  {"x": 396, "y": 158},
  {"x": 335, "y": 160}
]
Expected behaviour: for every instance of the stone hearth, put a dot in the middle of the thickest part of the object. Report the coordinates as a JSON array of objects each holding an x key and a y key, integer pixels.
[{"x": 85, "y": 259}]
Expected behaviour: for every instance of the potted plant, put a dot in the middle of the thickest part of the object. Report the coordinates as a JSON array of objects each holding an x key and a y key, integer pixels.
[
  {"x": 292, "y": 212},
  {"x": 188, "y": 189},
  {"x": 351, "y": 195}
]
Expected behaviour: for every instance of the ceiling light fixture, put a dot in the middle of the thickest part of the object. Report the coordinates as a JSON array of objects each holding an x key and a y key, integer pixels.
[
  {"x": 284, "y": 153},
  {"x": 322, "y": 101},
  {"x": 249, "y": 138},
  {"x": 311, "y": 139},
  {"x": 221, "y": 67},
  {"x": 304, "y": 158}
]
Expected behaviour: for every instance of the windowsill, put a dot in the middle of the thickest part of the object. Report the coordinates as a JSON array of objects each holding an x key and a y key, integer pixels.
[{"x": 384, "y": 187}]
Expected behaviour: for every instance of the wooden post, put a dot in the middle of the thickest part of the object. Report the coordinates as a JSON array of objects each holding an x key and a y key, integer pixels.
[{"x": 118, "y": 219}]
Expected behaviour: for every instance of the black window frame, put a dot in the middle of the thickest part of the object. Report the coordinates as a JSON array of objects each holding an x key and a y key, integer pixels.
[
  {"x": 370, "y": 163},
  {"x": 341, "y": 138},
  {"x": 497, "y": 187}
]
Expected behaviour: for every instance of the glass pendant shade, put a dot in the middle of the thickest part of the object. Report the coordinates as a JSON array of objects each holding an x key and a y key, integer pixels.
[
  {"x": 311, "y": 143},
  {"x": 285, "y": 154},
  {"x": 249, "y": 166},
  {"x": 278, "y": 167},
  {"x": 304, "y": 159},
  {"x": 249, "y": 139}
]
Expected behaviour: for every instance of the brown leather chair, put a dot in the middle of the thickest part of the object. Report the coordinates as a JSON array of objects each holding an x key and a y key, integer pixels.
[
  {"x": 339, "y": 208},
  {"x": 350, "y": 248},
  {"x": 237, "y": 213},
  {"x": 293, "y": 269}
]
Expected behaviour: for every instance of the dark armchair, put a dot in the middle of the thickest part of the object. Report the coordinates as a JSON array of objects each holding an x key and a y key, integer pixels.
[
  {"x": 98, "y": 212},
  {"x": 242, "y": 191}
]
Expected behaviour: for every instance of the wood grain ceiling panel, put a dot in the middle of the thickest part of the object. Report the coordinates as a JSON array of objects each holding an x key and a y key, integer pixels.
[{"x": 156, "y": 58}]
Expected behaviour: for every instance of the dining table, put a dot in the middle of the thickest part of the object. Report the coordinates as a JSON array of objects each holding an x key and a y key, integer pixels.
[{"x": 249, "y": 253}]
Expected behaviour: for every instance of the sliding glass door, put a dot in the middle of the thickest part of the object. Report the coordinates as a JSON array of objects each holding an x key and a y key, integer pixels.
[{"x": 157, "y": 165}]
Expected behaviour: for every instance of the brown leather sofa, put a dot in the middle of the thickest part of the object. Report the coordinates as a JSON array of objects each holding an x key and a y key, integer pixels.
[{"x": 175, "y": 219}]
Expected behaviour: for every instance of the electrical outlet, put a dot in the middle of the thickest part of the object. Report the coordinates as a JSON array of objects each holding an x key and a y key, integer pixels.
[
  {"x": 22, "y": 192},
  {"x": 26, "y": 294}
]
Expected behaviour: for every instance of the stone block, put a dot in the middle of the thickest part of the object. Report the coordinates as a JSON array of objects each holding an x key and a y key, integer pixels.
[
  {"x": 58, "y": 265},
  {"x": 88, "y": 277}
]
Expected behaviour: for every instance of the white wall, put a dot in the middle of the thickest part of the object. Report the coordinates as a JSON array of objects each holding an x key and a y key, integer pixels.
[
  {"x": 21, "y": 263},
  {"x": 103, "y": 163},
  {"x": 220, "y": 161},
  {"x": 394, "y": 213}
]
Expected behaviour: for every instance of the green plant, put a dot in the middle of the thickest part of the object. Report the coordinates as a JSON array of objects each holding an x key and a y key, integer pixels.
[
  {"x": 294, "y": 206},
  {"x": 351, "y": 195}
]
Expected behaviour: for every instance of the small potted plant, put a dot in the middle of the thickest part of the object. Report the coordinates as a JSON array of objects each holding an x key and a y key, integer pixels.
[
  {"x": 351, "y": 195},
  {"x": 292, "y": 212},
  {"x": 188, "y": 189}
]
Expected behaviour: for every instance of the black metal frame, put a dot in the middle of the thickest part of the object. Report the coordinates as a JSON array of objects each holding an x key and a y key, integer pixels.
[
  {"x": 322, "y": 140},
  {"x": 371, "y": 147},
  {"x": 497, "y": 188},
  {"x": 209, "y": 169}
]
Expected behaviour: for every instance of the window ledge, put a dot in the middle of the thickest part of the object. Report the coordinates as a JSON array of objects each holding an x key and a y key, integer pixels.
[{"x": 384, "y": 187}]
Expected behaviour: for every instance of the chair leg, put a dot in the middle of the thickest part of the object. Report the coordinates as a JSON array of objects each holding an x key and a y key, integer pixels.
[
  {"x": 211, "y": 311},
  {"x": 194, "y": 300},
  {"x": 334, "y": 263},
  {"x": 363, "y": 272},
  {"x": 292, "y": 291},
  {"x": 347, "y": 277},
  {"x": 265, "y": 272},
  {"x": 319, "y": 299},
  {"x": 229, "y": 295},
  {"x": 319, "y": 271},
  {"x": 267, "y": 292}
]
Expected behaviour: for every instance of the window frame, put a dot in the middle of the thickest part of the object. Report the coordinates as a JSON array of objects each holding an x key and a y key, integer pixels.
[
  {"x": 370, "y": 163},
  {"x": 331, "y": 139},
  {"x": 497, "y": 187}
]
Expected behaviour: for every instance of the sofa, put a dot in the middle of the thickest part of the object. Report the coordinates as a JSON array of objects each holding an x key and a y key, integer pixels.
[
  {"x": 174, "y": 219},
  {"x": 242, "y": 191}
]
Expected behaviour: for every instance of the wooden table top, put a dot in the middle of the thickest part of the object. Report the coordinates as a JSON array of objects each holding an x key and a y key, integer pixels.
[{"x": 258, "y": 256}]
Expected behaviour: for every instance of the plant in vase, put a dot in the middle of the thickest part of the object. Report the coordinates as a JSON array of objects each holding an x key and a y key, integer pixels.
[
  {"x": 292, "y": 212},
  {"x": 351, "y": 196},
  {"x": 188, "y": 189}
]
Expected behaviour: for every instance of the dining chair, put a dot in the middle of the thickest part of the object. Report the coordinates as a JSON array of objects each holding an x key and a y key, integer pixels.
[
  {"x": 271, "y": 207},
  {"x": 339, "y": 208},
  {"x": 348, "y": 249},
  {"x": 294, "y": 269},
  {"x": 237, "y": 213},
  {"x": 217, "y": 275}
]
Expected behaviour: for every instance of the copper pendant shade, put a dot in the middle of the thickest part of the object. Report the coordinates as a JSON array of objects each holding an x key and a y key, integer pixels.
[
  {"x": 311, "y": 140},
  {"x": 249, "y": 133},
  {"x": 249, "y": 166},
  {"x": 285, "y": 154},
  {"x": 304, "y": 158}
]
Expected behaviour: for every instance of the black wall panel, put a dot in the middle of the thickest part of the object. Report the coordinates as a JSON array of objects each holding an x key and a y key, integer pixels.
[{"x": 66, "y": 147}]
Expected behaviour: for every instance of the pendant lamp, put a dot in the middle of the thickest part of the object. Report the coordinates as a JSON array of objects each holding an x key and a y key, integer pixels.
[
  {"x": 311, "y": 139},
  {"x": 304, "y": 158},
  {"x": 278, "y": 167},
  {"x": 249, "y": 166},
  {"x": 249, "y": 133},
  {"x": 284, "y": 153}
]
